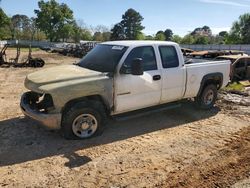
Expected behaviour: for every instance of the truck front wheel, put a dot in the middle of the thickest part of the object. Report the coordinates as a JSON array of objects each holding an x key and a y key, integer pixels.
[
  {"x": 83, "y": 120},
  {"x": 207, "y": 97}
]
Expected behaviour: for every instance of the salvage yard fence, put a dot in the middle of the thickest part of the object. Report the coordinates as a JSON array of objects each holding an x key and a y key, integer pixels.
[
  {"x": 27, "y": 43},
  {"x": 39, "y": 44},
  {"x": 44, "y": 44},
  {"x": 245, "y": 48}
]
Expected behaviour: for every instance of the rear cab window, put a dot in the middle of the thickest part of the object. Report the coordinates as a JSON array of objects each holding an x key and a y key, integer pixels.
[{"x": 169, "y": 56}]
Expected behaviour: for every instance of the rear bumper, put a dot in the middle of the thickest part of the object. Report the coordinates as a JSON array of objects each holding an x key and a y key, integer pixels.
[{"x": 50, "y": 121}]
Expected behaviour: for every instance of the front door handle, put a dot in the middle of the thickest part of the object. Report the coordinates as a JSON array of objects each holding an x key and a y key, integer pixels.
[{"x": 156, "y": 77}]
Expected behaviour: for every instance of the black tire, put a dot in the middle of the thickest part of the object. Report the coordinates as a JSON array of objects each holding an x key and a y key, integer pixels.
[
  {"x": 89, "y": 108},
  {"x": 37, "y": 62},
  {"x": 207, "y": 98}
]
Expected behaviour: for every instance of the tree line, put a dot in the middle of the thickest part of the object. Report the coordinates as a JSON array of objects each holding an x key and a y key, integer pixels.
[{"x": 55, "y": 22}]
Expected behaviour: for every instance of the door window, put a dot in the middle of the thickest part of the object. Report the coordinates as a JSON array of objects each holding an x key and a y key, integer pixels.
[
  {"x": 240, "y": 63},
  {"x": 169, "y": 57},
  {"x": 146, "y": 53}
]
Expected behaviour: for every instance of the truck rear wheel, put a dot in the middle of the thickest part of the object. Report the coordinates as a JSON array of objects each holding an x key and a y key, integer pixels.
[
  {"x": 207, "y": 98},
  {"x": 83, "y": 120}
]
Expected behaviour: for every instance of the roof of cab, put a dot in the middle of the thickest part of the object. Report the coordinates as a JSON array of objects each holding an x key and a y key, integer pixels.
[{"x": 138, "y": 42}]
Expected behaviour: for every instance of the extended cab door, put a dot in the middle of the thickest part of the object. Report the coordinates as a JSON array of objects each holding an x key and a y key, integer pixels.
[
  {"x": 136, "y": 92},
  {"x": 173, "y": 74}
]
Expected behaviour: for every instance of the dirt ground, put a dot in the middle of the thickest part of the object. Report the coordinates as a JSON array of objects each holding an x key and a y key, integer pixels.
[{"x": 183, "y": 147}]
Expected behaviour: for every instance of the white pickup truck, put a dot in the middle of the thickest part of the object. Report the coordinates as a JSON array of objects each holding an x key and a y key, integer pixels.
[{"x": 115, "y": 78}]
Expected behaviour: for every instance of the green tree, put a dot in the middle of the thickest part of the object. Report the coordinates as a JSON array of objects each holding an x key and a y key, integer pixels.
[
  {"x": 86, "y": 35},
  {"x": 101, "y": 33},
  {"x": 4, "y": 25},
  {"x": 101, "y": 36},
  {"x": 98, "y": 36},
  {"x": 177, "y": 39},
  {"x": 188, "y": 39},
  {"x": 66, "y": 32},
  {"x": 240, "y": 31},
  {"x": 207, "y": 30},
  {"x": 52, "y": 18},
  {"x": 160, "y": 36},
  {"x": 201, "y": 40},
  {"x": 217, "y": 39},
  {"x": 168, "y": 34},
  {"x": 76, "y": 35},
  {"x": 202, "y": 31},
  {"x": 140, "y": 36},
  {"x": 131, "y": 22},
  {"x": 160, "y": 32},
  {"x": 149, "y": 37},
  {"x": 223, "y": 34},
  {"x": 106, "y": 35},
  {"x": 80, "y": 33},
  {"x": 117, "y": 33},
  {"x": 129, "y": 28},
  {"x": 221, "y": 38},
  {"x": 4, "y": 19},
  {"x": 34, "y": 32},
  {"x": 20, "y": 27}
]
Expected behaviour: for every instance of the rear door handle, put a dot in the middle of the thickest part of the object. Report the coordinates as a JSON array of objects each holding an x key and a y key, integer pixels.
[{"x": 156, "y": 77}]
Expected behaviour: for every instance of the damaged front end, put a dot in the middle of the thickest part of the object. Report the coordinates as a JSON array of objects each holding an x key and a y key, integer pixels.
[
  {"x": 40, "y": 107},
  {"x": 39, "y": 102}
]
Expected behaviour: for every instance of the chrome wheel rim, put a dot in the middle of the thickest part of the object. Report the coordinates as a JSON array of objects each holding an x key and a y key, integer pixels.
[
  {"x": 209, "y": 97},
  {"x": 84, "y": 125}
]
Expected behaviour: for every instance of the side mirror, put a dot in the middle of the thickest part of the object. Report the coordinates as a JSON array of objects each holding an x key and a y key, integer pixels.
[{"x": 137, "y": 67}]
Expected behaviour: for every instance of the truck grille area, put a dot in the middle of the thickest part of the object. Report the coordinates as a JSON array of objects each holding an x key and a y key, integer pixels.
[{"x": 39, "y": 102}]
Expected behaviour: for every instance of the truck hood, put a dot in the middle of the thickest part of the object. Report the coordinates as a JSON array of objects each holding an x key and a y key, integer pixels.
[
  {"x": 54, "y": 77},
  {"x": 66, "y": 83}
]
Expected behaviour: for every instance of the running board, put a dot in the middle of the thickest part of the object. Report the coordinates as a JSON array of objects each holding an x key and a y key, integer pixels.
[{"x": 145, "y": 111}]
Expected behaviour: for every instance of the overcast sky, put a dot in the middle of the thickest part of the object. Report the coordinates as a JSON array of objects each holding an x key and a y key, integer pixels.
[{"x": 182, "y": 16}]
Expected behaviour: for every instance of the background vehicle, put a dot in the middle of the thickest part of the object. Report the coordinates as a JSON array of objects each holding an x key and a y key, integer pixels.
[
  {"x": 117, "y": 78},
  {"x": 240, "y": 66},
  {"x": 211, "y": 54},
  {"x": 29, "y": 62}
]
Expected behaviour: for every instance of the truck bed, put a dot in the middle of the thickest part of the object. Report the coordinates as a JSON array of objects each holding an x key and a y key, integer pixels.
[
  {"x": 196, "y": 71},
  {"x": 189, "y": 60}
]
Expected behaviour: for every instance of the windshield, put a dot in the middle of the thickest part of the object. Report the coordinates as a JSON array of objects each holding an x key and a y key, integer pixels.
[{"x": 103, "y": 58}]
